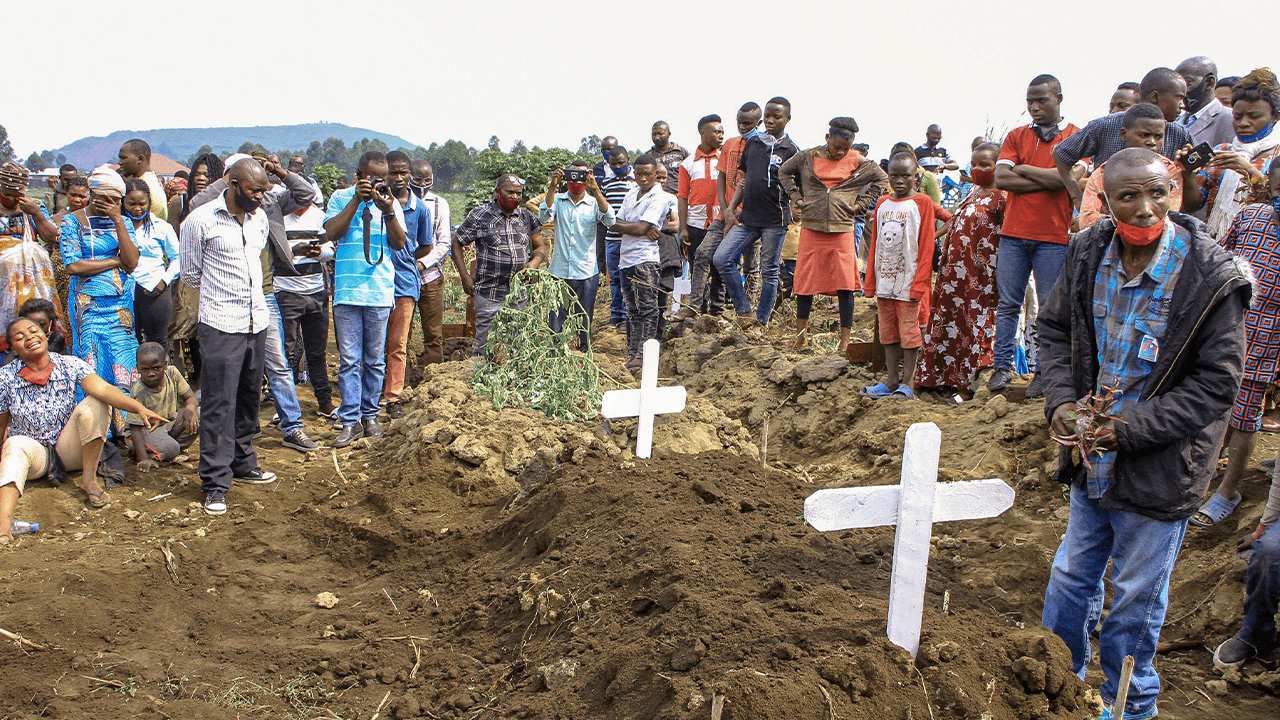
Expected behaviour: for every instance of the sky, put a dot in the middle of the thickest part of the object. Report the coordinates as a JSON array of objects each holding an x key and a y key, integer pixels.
[{"x": 552, "y": 72}]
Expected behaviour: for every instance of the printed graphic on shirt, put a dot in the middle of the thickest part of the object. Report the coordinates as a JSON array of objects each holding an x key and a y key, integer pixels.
[{"x": 897, "y": 248}]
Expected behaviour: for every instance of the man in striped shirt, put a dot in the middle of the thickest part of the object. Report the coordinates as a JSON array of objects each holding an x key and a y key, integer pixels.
[
  {"x": 617, "y": 183},
  {"x": 221, "y": 248},
  {"x": 367, "y": 225}
]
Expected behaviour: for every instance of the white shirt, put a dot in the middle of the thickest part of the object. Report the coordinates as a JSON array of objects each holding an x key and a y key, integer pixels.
[
  {"x": 222, "y": 261},
  {"x": 302, "y": 230},
  {"x": 429, "y": 266},
  {"x": 652, "y": 208}
]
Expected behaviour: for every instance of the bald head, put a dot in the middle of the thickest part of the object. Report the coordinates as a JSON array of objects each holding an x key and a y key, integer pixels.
[
  {"x": 1132, "y": 163},
  {"x": 1201, "y": 75},
  {"x": 1136, "y": 186},
  {"x": 247, "y": 184},
  {"x": 247, "y": 170}
]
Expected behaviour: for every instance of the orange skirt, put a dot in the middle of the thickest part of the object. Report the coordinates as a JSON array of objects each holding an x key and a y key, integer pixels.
[{"x": 826, "y": 263}]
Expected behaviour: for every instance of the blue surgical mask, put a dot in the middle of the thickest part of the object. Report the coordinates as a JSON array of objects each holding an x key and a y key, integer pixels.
[
  {"x": 605, "y": 153},
  {"x": 136, "y": 218},
  {"x": 1275, "y": 205},
  {"x": 1264, "y": 132},
  {"x": 623, "y": 171}
]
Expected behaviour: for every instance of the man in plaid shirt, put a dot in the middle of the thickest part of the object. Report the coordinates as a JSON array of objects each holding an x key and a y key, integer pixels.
[
  {"x": 1148, "y": 305},
  {"x": 508, "y": 238}
]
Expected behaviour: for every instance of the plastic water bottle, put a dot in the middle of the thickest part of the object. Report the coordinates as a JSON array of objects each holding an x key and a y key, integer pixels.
[{"x": 22, "y": 526}]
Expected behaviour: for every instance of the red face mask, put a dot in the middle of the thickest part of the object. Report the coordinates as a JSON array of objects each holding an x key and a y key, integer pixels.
[
  {"x": 982, "y": 178},
  {"x": 576, "y": 188},
  {"x": 508, "y": 204},
  {"x": 1135, "y": 235}
]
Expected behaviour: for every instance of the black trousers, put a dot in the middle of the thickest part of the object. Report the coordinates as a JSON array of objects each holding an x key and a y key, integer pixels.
[
  {"x": 152, "y": 315},
  {"x": 307, "y": 317},
  {"x": 230, "y": 396}
]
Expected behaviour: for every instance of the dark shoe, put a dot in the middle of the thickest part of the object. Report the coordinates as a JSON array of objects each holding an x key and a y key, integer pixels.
[
  {"x": 337, "y": 424},
  {"x": 394, "y": 410},
  {"x": 215, "y": 503},
  {"x": 302, "y": 378},
  {"x": 275, "y": 420},
  {"x": 350, "y": 433},
  {"x": 372, "y": 429},
  {"x": 256, "y": 476},
  {"x": 999, "y": 380},
  {"x": 257, "y": 434},
  {"x": 296, "y": 439},
  {"x": 330, "y": 412},
  {"x": 1036, "y": 388},
  {"x": 1233, "y": 652}
]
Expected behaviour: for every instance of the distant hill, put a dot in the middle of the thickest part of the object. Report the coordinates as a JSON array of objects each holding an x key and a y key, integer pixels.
[{"x": 182, "y": 143}]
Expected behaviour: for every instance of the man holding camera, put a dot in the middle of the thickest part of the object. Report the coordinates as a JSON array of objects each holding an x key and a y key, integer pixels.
[
  {"x": 367, "y": 224},
  {"x": 508, "y": 238},
  {"x": 573, "y": 254}
]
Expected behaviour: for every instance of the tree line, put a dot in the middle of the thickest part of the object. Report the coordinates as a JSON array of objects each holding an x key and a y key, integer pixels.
[{"x": 458, "y": 168}]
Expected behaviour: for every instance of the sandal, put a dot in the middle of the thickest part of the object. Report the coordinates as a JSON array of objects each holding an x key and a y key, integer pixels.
[
  {"x": 97, "y": 500},
  {"x": 6, "y": 540},
  {"x": 905, "y": 392},
  {"x": 1270, "y": 425},
  {"x": 879, "y": 390},
  {"x": 1215, "y": 510}
]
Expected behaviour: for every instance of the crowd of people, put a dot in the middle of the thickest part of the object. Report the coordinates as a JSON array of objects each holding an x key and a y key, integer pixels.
[{"x": 1136, "y": 258}]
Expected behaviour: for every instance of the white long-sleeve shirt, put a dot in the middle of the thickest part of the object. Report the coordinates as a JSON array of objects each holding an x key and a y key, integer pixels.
[{"x": 441, "y": 237}]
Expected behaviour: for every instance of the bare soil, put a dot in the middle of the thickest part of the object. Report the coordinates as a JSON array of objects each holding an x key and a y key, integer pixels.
[{"x": 491, "y": 563}]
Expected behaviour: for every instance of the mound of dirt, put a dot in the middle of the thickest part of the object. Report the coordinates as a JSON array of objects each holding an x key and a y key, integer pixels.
[{"x": 480, "y": 563}]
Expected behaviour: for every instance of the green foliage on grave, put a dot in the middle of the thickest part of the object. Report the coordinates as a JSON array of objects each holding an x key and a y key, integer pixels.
[{"x": 526, "y": 365}]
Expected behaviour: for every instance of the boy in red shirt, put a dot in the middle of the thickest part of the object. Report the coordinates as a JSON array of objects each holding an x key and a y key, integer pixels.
[{"x": 899, "y": 267}]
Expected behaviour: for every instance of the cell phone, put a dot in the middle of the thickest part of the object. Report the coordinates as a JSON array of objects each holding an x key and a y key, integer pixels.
[{"x": 1199, "y": 156}]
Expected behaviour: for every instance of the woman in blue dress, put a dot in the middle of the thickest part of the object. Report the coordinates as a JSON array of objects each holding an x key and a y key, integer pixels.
[{"x": 100, "y": 254}]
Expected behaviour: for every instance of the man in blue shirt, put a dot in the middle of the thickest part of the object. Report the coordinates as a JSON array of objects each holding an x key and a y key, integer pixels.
[
  {"x": 573, "y": 254},
  {"x": 368, "y": 225},
  {"x": 408, "y": 290},
  {"x": 1149, "y": 306}
]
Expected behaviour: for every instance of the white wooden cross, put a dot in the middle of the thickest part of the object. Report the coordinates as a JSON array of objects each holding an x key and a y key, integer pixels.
[
  {"x": 914, "y": 506},
  {"x": 646, "y": 402},
  {"x": 680, "y": 288}
]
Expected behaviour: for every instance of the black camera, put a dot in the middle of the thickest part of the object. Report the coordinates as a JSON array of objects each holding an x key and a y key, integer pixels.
[
  {"x": 380, "y": 187},
  {"x": 575, "y": 175}
]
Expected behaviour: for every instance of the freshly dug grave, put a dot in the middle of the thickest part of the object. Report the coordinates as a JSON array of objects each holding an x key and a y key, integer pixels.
[{"x": 484, "y": 563}]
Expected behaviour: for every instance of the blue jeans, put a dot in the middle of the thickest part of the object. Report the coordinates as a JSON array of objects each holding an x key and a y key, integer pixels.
[
  {"x": 1016, "y": 260},
  {"x": 738, "y": 239},
  {"x": 1142, "y": 552},
  {"x": 618, "y": 285},
  {"x": 279, "y": 377},
  {"x": 585, "y": 291},
  {"x": 1263, "y": 587},
  {"x": 362, "y": 340}
]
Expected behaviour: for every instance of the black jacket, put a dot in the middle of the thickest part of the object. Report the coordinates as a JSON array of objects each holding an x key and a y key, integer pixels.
[{"x": 1169, "y": 441}]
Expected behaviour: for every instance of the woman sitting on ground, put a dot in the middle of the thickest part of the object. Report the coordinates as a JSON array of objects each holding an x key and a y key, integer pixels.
[{"x": 45, "y": 431}]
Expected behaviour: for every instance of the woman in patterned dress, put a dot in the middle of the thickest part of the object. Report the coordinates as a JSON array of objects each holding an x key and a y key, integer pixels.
[
  {"x": 98, "y": 247},
  {"x": 962, "y": 322},
  {"x": 46, "y": 431}
]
